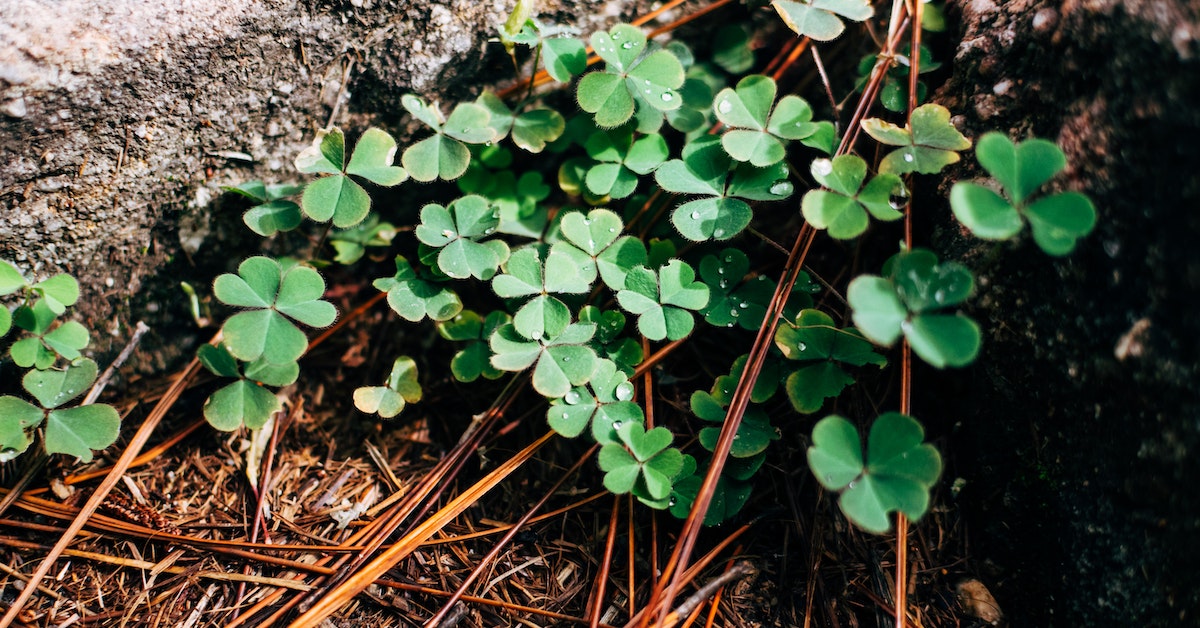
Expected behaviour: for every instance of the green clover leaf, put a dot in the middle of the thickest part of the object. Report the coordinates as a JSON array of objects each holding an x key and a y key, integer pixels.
[
  {"x": 723, "y": 211},
  {"x": 756, "y": 133},
  {"x": 560, "y": 361},
  {"x": 1057, "y": 221},
  {"x": 567, "y": 271},
  {"x": 898, "y": 475},
  {"x": 621, "y": 160},
  {"x": 630, "y": 76},
  {"x": 662, "y": 300},
  {"x": 46, "y": 341},
  {"x": 245, "y": 401},
  {"x": 598, "y": 235},
  {"x": 905, "y": 302},
  {"x": 644, "y": 464},
  {"x": 388, "y": 401},
  {"x": 606, "y": 404},
  {"x": 10, "y": 279},
  {"x": 928, "y": 143},
  {"x": 457, "y": 231},
  {"x": 731, "y": 493},
  {"x": 338, "y": 197},
  {"x": 273, "y": 213},
  {"x": 414, "y": 298},
  {"x": 843, "y": 207},
  {"x": 818, "y": 19},
  {"x": 473, "y": 360},
  {"x": 531, "y": 130},
  {"x": 444, "y": 155},
  {"x": 273, "y": 296},
  {"x": 351, "y": 244},
  {"x": 74, "y": 431},
  {"x": 625, "y": 352},
  {"x": 754, "y": 434},
  {"x": 815, "y": 342},
  {"x": 58, "y": 292}
]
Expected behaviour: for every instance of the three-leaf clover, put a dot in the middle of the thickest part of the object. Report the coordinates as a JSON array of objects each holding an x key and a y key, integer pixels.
[
  {"x": 73, "y": 431},
  {"x": 723, "y": 211},
  {"x": 644, "y": 462},
  {"x": 531, "y": 130},
  {"x": 843, "y": 207},
  {"x": 338, "y": 197},
  {"x": 561, "y": 359},
  {"x": 906, "y": 301},
  {"x": 445, "y": 155},
  {"x": 46, "y": 341},
  {"x": 733, "y": 301},
  {"x": 662, "y": 299},
  {"x": 1058, "y": 220},
  {"x": 457, "y": 231},
  {"x": 274, "y": 212},
  {"x": 756, "y": 132},
  {"x": 474, "y": 359},
  {"x": 927, "y": 143},
  {"x": 754, "y": 433},
  {"x": 274, "y": 295},
  {"x": 622, "y": 160},
  {"x": 624, "y": 351},
  {"x": 819, "y": 346},
  {"x": 818, "y": 19},
  {"x": 606, "y": 404},
  {"x": 564, "y": 57},
  {"x": 246, "y": 401},
  {"x": 414, "y": 298},
  {"x": 897, "y": 476},
  {"x": 567, "y": 271},
  {"x": 388, "y": 401},
  {"x": 598, "y": 235},
  {"x": 630, "y": 75}
]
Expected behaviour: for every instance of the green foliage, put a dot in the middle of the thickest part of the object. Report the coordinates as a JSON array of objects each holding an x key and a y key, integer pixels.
[
  {"x": 47, "y": 341},
  {"x": 707, "y": 170},
  {"x": 621, "y": 161},
  {"x": 927, "y": 144},
  {"x": 843, "y": 207},
  {"x": 818, "y": 19},
  {"x": 531, "y": 130},
  {"x": 894, "y": 92},
  {"x": 561, "y": 358},
  {"x": 473, "y": 360},
  {"x": 273, "y": 295},
  {"x": 661, "y": 300},
  {"x": 623, "y": 351},
  {"x": 563, "y": 57},
  {"x": 445, "y": 154},
  {"x": 75, "y": 431},
  {"x": 756, "y": 132},
  {"x": 387, "y": 401},
  {"x": 754, "y": 433},
  {"x": 274, "y": 212},
  {"x": 245, "y": 401},
  {"x": 643, "y": 463},
  {"x": 337, "y": 197},
  {"x": 897, "y": 476},
  {"x": 458, "y": 230},
  {"x": 820, "y": 346},
  {"x": 414, "y": 298},
  {"x": 1057, "y": 220},
  {"x": 606, "y": 404},
  {"x": 351, "y": 244},
  {"x": 632, "y": 74},
  {"x": 908, "y": 301}
]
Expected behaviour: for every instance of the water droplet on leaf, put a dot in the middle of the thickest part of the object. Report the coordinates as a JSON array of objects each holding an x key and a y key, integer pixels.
[
  {"x": 781, "y": 188},
  {"x": 695, "y": 215},
  {"x": 822, "y": 166},
  {"x": 908, "y": 157},
  {"x": 724, "y": 106},
  {"x": 667, "y": 97},
  {"x": 802, "y": 347}
]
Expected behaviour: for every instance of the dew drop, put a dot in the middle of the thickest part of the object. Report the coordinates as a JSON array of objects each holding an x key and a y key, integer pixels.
[
  {"x": 734, "y": 313},
  {"x": 720, "y": 270},
  {"x": 647, "y": 90},
  {"x": 591, "y": 243},
  {"x": 743, "y": 305},
  {"x": 616, "y": 425},
  {"x": 781, "y": 188},
  {"x": 624, "y": 392},
  {"x": 566, "y": 415},
  {"x": 822, "y": 166},
  {"x": 940, "y": 295},
  {"x": 729, "y": 324},
  {"x": 724, "y": 284},
  {"x": 627, "y": 45},
  {"x": 802, "y": 347},
  {"x": 718, "y": 233},
  {"x": 728, "y": 258},
  {"x": 695, "y": 215},
  {"x": 829, "y": 478},
  {"x": 850, "y": 485},
  {"x": 446, "y": 233},
  {"x": 724, "y": 106},
  {"x": 671, "y": 503},
  {"x": 908, "y": 157},
  {"x": 612, "y": 229},
  {"x": 572, "y": 397},
  {"x": 566, "y": 358},
  {"x": 667, "y": 96}
]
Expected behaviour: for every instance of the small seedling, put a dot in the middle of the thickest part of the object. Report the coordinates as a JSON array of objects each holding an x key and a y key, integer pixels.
[
  {"x": 387, "y": 401},
  {"x": 72, "y": 431},
  {"x": 473, "y": 360},
  {"x": 927, "y": 144},
  {"x": 47, "y": 342},
  {"x": 899, "y": 472},
  {"x": 906, "y": 301},
  {"x": 1057, "y": 220}
]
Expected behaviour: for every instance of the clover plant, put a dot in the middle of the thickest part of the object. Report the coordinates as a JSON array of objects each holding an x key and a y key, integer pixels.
[
  {"x": 633, "y": 74},
  {"x": 75, "y": 431},
  {"x": 1057, "y": 220},
  {"x": 843, "y": 206},
  {"x": 387, "y": 401},
  {"x": 474, "y": 359},
  {"x": 927, "y": 143},
  {"x": 338, "y": 197},
  {"x": 414, "y": 298},
  {"x": 245, "y": 401},
  {"x": 621, "y": 160},
  {"x": 458, "y": 231},
  {"x": 643, "y": 463},
  {"x": 274, "y": 212},
  {"x": 662, "y": 300},
  {"x": 819, "y": 346},
  {"x": 897, "y": 475},
  {"x": 758, "y": 128},
  {"x": 445, "y": 155},
  {"x": 821, "y": 19}
]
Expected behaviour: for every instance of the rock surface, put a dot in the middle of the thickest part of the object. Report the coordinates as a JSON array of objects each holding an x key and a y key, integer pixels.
[{"x": 119, "y": 121}]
